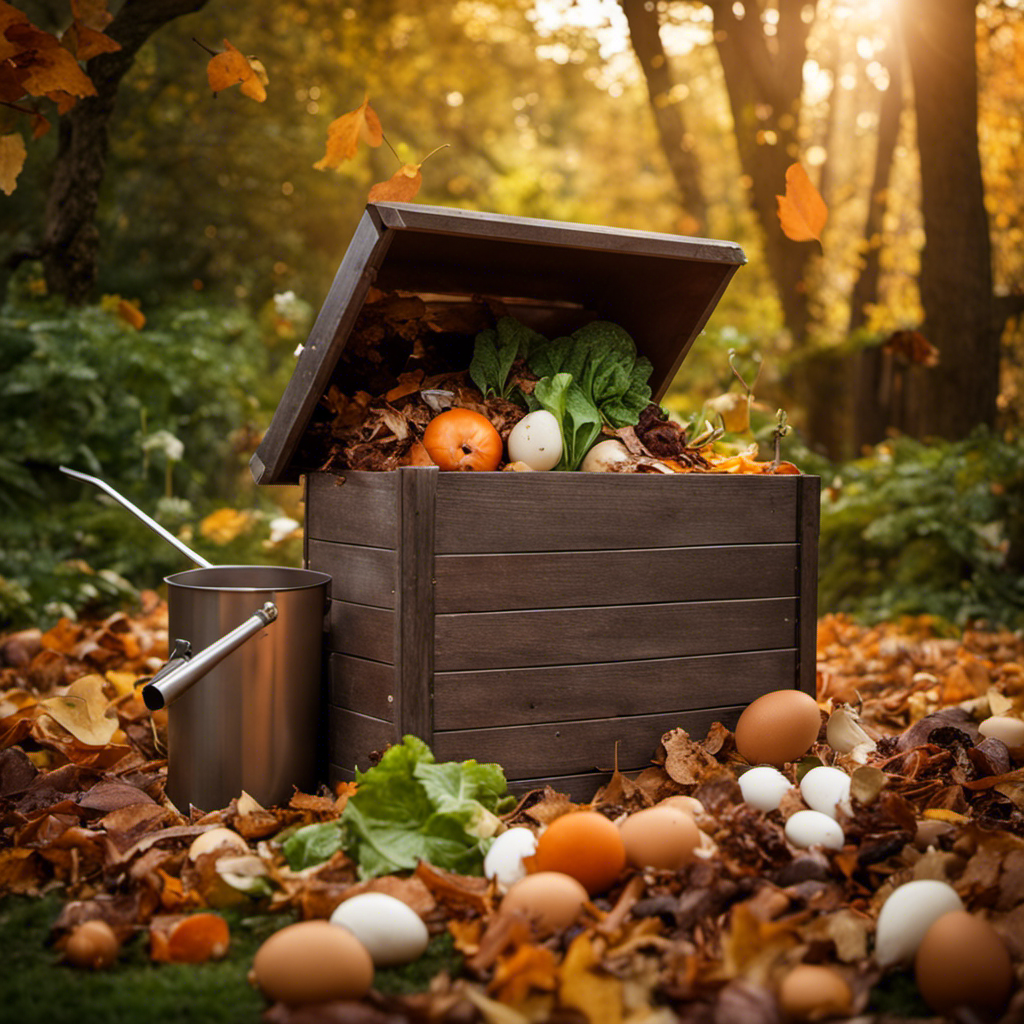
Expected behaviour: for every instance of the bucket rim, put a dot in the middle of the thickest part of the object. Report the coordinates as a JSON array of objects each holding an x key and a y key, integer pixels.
[{"x": 305, "y": 579}]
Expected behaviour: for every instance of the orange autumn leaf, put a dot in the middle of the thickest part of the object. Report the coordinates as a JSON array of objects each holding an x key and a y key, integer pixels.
[
  {"x": 232, "y": 67},
  {"x": 802, "y": 211},
  {"x": 344, "y": 134},
  {"x": 188, "y": 940},
  {"x": 88, "y": 43},
  {"x": 91, "y": 13},
  {"x": 402, "y": 186},
  {"x": 52, "y": 68},
  {"x": 130, "y": 313},
  {"x": 10, "y": 16},
  {"x": 12, "y": 159}
]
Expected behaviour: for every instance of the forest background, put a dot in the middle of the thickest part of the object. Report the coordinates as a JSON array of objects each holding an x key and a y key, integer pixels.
[{"x": 204, "y": 240}]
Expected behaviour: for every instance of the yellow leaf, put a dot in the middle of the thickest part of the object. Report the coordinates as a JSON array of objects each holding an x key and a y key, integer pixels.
[
  {"x": 344, "y": 133},
  {"x": 224, "y": 525},
  {"x": 598, "y": 996},
  {"x": 802, "y": 211},
  {"x": 130, "y": 313},
  {"x": 942, "y": 814},
  {"x": 734, "y": 409},
  {"x": 402, "y": 186},
  {"x": 84, "y": 711},
  {"x": 232, "y": 67},
  {"x": 12, "y": 159}
]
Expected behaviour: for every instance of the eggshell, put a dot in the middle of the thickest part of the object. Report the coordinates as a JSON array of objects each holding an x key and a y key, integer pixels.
[
  {"x": 312, "y": 962},
  {"x": 810, "y": 992},
  {"x": 962, "y": 961},
  {"x": 536, "y": 440},
  {"x": 207, "y": 841},
  {"x": 660, "y": 837},
  {"x": 392, "y": 932},
  {"x": 778, "y": 727},
  {"x": 764, "y": 787},
  {"x": 1003, "y": 727},
  {"x": 812, "y": 828},
  {"x": 907, "y": 914},
  {"x": 551, "y": 899},
  {"x": 827, "y": 790},
  {"x": 687, "y": 804},
  {"x": 605, "y": 457},
  {"x": 504, "y": 860}
]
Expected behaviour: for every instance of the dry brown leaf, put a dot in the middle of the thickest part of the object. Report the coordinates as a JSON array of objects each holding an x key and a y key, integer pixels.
[
  {"x": 84, "y": 711},
  {"x": 345, "y": 133},
  {"x": 12, "y": 159},
  {"x": 586, "y": 987},
  {"x": 402, "y": 186},
  {"x": 802, "y": 212},
  {"x": 232, "y": 67}
]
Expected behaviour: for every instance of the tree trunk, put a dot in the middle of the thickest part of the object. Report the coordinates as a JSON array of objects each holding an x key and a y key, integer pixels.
[
  {"x": 71, "y": 239},
  {"x": 956, "y": 271},
  {"x": 668, "y": 115}
]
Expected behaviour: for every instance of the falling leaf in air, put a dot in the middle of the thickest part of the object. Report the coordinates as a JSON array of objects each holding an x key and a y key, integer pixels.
[
  {"x": 402, "y": 186},
  {"x": 12, "y": 159},
  {"x": 802, "y": 211},
  {"x": 345, "y": 132},
  {"x": 232, "y": 67},
  {"x": 130, "y": 313}
]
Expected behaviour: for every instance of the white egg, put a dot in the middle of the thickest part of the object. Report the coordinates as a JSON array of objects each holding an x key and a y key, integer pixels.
[
  {"x": 827, "y": 790},
  {"x": 536, "y": 440},
  {"x": 392, "y": 932},
  {"x": 605, "y": 457},
  {"x": 907, "y": 914},
  {"x": 812, "y": 828},
  {"x": 504, "y": 860},
  {"x": 764, "y": 787},
  {"x": 1002, "y": 727}
]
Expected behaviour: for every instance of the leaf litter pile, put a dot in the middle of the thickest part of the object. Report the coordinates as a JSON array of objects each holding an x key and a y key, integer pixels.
[{"x": 82, "y": 776}]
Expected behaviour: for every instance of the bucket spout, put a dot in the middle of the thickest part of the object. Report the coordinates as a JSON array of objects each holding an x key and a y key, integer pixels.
[{"x": 183, "y": 669}]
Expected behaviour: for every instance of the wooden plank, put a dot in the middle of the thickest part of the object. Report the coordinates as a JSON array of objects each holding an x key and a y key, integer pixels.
[
  {"x": 809, "y": 518},
  {"x": 564, "y": 579},
  {"x": 569, "y": 748},
  {"x": 579, "y": 788},
  {"x": 520, "y": 696},
  {"x": 568, "y": 636},
  {"x": 488, "y": 512},
  {"x": 354, "y": 737},
  {"x": 358, "y": 574},
  {"x": 360, "y": 685},
  {"x": 361, "y": 631},
  {"x": 354, "y": 508},
  {"x": 414, "y": 637}
]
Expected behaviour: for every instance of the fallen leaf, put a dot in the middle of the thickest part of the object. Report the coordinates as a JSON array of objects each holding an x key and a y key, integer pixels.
[
  {"x": 586, "y": 987},
  {"x": 12, "y": 159},
  {"x": 84, "y": 711},
  {"x": 402, "y": 186},
  {"x": 232, "y": 67},
  {"x": 802, "y": 212},
  {"x": 345, "y": 133},
  {"x": 130, "y": 313}
]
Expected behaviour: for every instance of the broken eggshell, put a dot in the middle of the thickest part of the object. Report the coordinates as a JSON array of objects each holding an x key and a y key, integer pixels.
[
  {"x": 606, "y": 457},
  {"x": 504, "y": 860}
]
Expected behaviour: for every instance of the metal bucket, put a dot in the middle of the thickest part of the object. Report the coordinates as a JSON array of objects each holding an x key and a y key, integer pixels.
[{"x": 251, "y": 722}]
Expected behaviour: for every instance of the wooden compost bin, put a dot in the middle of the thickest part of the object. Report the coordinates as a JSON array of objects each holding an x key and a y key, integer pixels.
[{"x": 542, "y": 620}]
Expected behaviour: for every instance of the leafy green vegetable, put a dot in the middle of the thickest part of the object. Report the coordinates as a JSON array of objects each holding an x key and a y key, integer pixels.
[
  {"x": 577, "y": 417},
  {"x": 409, "y": 808},
  {"x": 494, "y": 352}
]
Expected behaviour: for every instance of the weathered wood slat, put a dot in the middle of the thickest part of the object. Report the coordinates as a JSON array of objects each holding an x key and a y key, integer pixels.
[
  {"x": 809, "y": 526},
  {"x": 354, "y": 737},
  {"x": 355, "y": 508},
  {"x": 518, "y": 696},
  {"x": 358, "y": 574},
  {"x": 414, "y": 643},
  {"x": 564, "y": 579},
  {"x": 579, "y": 788},
  {"x": 570, "y": 748},
  {"x": 580, "y": 511},
  {"x": 361, "y": 685},
  {"x": 361, "y": 631},
  {"x": 568, "y": 636}
]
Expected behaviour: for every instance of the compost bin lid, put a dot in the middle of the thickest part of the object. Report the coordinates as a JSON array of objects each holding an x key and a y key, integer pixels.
[{"x": 661, "y": 288}]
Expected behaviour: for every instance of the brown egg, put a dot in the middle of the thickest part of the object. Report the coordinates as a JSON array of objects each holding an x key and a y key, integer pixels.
[
  {"x": 778, "y": 727},
  {"x": 660, "y": 837},
  {"x": 813, "y": 993},
  {"x": 687, "y": 804},
  {"x": 549, "y": 898},
  {"x": 312, "y": 962},
  {"x": 962, "y": 961}
]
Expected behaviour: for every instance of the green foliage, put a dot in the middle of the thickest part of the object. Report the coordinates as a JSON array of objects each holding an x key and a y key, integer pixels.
[
  {"x": 161, "y": 414},
  {"x": 926, "y": 529},
  {"x": 494, "y": 352}
]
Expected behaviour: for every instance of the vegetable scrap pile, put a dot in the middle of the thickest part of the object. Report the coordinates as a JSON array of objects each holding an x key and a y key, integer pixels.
[
  {"x": 413, "y": 358},
  {"x": 870, "y": 866}
]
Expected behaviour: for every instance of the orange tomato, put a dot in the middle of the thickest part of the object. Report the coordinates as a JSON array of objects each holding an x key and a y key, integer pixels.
[
  {"x": 584, "y": 845},
  {"x": 461, "y": 439}
]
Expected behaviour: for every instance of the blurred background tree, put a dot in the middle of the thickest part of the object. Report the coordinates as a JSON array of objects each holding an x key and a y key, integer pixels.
[{"x": 675, "y": 115}]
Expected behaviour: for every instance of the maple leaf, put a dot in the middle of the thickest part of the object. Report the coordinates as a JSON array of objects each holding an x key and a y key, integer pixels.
[
  {"x": 345, "y": 132},
  {"x": 44, "y": 65},
  {"x": 802, "y": 211},
  {"x": 232, "y": 67},
  {"x": 87, "y": 43},
  {"x": 12, "y": 159},
  {"x": 402, "y": 186}
]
